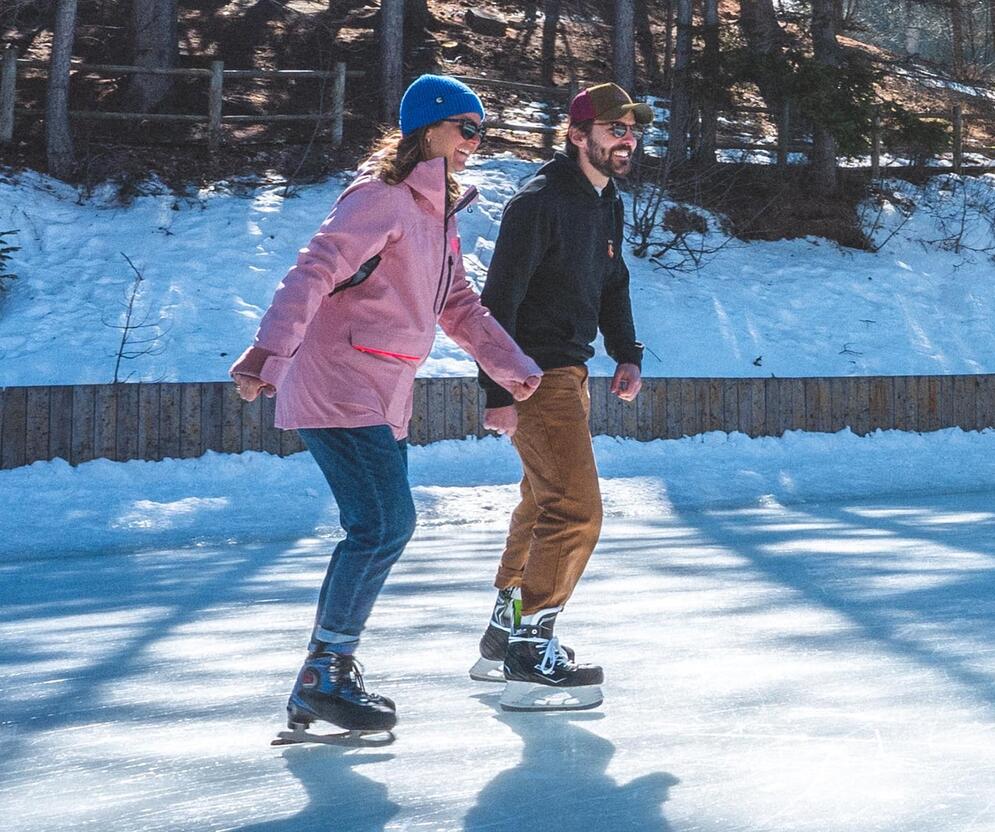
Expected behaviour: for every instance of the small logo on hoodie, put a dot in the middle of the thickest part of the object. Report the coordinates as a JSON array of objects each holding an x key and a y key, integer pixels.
[{"x": 611, "y": 250}]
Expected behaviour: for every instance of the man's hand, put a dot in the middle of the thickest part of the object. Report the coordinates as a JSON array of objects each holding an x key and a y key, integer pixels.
[
  {"x": 502, "y": 419},
  {"x": 249, "y": 387},
  {"x": 522, "y": 391},
  {"x": 627, "y": 382}
]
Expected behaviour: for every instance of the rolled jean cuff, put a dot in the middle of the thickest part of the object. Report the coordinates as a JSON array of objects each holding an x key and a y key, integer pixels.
[{"x": 332, "y": 637}]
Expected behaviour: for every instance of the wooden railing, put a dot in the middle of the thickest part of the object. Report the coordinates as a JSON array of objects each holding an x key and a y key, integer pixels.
[
  {"x": 214, "y": 118},
  {"x": 156, "y": 421}
]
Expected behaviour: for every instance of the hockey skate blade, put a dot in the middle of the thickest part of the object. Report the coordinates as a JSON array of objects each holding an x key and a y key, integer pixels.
[
  {"x": 349, "y": 739},
  {"x": 526, "y": 696},
  {"x": 487, "y": 670}
]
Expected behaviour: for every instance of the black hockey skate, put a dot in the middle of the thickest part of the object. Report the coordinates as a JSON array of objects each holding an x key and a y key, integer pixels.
[
  {"x": 541, "y": 675},
  {"x": 494, "y": 642},
  {"x": 330, "y": 688}
]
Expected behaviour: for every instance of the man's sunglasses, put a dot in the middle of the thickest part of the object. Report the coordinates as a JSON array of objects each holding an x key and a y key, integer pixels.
[
  {"x": 468, "y": 129},
  {"x": 619, "y": 128}
]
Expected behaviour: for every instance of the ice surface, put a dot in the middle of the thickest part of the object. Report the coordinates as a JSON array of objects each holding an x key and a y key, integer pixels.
[{"x": 790, "y": 659}]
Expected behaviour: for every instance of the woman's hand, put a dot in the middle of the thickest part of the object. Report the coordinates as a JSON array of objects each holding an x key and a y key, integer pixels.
[
  {"x": 249, "y": 387},
  {"x": 504, "y": 420}
]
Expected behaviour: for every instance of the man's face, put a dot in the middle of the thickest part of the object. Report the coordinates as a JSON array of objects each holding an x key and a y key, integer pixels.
[{"x": 607, "y": 154}]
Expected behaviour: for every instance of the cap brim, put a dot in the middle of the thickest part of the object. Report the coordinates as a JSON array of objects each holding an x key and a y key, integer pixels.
[{"x": 642, "y": 112}]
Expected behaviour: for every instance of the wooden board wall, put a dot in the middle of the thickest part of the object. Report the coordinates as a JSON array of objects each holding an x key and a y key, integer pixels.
[{"x": 183, "y": 420}]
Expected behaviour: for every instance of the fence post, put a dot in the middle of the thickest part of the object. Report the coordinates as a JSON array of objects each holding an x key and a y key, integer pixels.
[
  {"x": 338, "y": 103},
  {"x": 876, "y": 144},
  {"x": 958, "y": 148},
  {"x": 8, "y": 84},
  {"x": 784, "y": 130},
  {"x": 214, "y": 99}
]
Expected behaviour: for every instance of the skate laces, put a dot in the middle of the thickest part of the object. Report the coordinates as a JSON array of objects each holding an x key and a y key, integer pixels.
[
  {"x": 552, "y": 656},
  {"x": 349, "y": 675},
  {"x": 349, "y": 668}
]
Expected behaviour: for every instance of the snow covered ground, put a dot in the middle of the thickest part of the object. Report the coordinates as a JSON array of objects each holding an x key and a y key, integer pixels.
[{"x": 211, "y": 259}]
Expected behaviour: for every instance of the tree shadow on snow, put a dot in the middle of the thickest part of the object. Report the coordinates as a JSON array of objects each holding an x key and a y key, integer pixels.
[{"x": 560, "y": 783}]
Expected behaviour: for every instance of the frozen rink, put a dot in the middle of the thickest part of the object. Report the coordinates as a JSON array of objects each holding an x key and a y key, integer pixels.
[{"x": 826, "y": 666}]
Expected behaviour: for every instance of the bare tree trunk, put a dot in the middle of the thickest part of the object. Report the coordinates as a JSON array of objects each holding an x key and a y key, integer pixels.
[
  {"x": 550, "y": 23},
  {"x": 58, "y": 136},
  {"x": 709, "y": 106},
  {"x": 624, "y": 44},
  {"x": 957, "y": 35},
  {"x": 416, "y": 16},
  {"x": 911, "y": 30},
  {"x": 668, "y": 44},
  {"x": 759, "y": 25},
  {"x": 991, "y": 30},
  {"x": 826, "y": 52},
  {"x": 391, "y": 59},
  {"x": 154, "y": 42},
  {"x": 971, "y": 40},
  {"x": 647, "y": 46},
  {"x": 680, "y": 94},
  {"x": 764, "y": 38}
]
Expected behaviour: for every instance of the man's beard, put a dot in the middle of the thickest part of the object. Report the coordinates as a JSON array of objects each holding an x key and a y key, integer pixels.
[{"x": 600, "y": 158}]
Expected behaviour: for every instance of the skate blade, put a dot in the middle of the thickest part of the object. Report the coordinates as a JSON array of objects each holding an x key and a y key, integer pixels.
[
  {"x": 349, "y": 739},
  {"x": 526, "y": 696},
  {"x": 487, "y": 670}
]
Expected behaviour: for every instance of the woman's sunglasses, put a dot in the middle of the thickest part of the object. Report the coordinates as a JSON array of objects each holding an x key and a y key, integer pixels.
[
  {"x": 468, "y": 129},
  {"x": 619, "y": 128}
]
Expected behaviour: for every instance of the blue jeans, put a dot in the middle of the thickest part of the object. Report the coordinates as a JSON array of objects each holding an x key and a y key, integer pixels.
[{"x": 367, "y": 470}]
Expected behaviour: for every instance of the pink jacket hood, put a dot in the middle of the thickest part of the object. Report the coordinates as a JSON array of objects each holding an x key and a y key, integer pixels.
[{"x": 349, "y": 359}]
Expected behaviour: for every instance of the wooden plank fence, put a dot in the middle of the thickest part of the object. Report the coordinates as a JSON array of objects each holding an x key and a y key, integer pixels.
[
  {"x": 215, "y": 77},
  {"x": 182, "y": 420}
]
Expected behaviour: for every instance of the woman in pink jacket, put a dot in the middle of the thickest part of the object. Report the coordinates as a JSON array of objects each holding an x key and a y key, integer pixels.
[{"x": 342, "y": 351}]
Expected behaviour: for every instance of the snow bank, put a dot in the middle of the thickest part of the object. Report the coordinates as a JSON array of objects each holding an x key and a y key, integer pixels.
[{"x": 110, "y": 506}]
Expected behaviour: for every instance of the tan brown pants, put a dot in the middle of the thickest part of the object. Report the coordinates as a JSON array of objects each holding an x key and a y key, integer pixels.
[{"x": 556, "y": 525}]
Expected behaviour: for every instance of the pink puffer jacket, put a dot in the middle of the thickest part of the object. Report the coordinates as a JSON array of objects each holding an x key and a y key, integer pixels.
[{"x": 349, "y": 359}]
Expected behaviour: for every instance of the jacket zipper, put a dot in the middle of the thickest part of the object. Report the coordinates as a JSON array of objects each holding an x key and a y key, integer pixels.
[
  {"x": 468, "y": 196},
  {"x": 437, "y": 304}
]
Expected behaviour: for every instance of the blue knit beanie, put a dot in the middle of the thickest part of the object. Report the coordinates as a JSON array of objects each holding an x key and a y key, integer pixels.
[{"x": 432, "y": 98}]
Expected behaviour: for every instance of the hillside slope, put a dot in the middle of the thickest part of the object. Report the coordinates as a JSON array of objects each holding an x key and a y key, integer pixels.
[{"x": 211, "y": 258}]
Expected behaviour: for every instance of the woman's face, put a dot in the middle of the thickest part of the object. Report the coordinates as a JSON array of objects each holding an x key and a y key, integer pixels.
[{"x": 446, "y": 139}]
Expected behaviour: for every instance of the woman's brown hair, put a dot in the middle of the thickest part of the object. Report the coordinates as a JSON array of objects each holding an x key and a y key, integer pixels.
[{"x": 395, "y": 156}]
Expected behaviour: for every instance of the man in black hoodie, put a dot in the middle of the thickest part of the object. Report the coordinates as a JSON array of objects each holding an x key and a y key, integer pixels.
[{"x": 556, "y": 278}]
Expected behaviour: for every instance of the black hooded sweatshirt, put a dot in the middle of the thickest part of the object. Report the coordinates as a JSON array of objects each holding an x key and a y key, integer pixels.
[{"x": 557, "y": 274}]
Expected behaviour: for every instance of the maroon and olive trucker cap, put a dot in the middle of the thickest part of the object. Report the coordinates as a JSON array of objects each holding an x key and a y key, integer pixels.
[{"x": 607, "y": 102}]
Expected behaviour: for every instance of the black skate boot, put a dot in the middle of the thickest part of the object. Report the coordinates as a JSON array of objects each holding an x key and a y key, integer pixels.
[
  {"x": 542, "y": 675},
  {"x": 330, "y": 688},
  {"x": 494, "y": 641}
]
